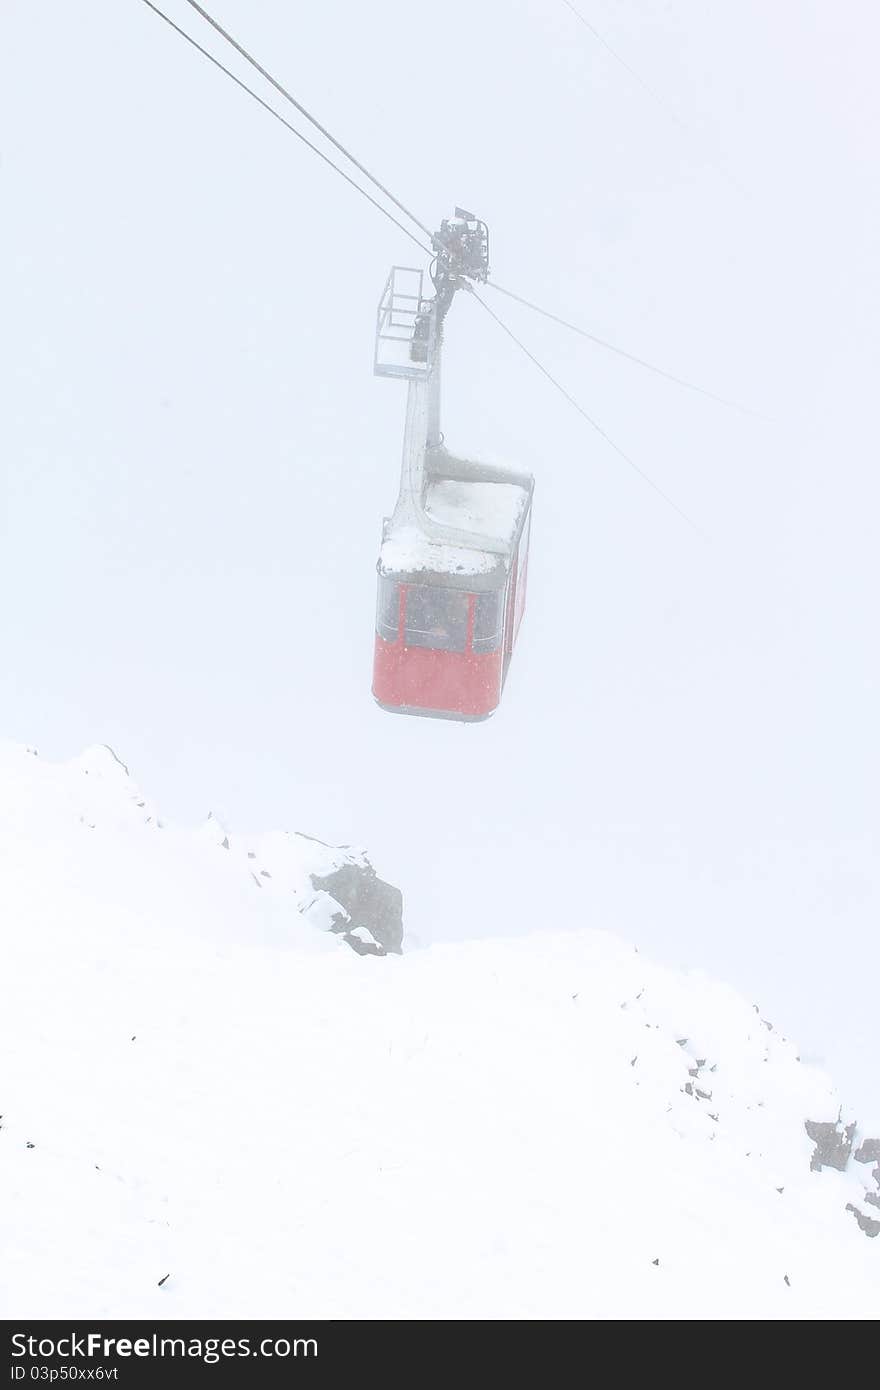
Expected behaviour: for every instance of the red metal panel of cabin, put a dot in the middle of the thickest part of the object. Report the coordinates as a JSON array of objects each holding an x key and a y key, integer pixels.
[{"x": 466, "y": 683}]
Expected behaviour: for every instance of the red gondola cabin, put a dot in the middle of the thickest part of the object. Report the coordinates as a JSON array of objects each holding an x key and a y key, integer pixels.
[{"x": 448, "y": 613}]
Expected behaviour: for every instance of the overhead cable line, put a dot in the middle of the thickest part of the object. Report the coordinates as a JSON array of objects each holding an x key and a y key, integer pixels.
[
  {"x": 308, "y": 115},
  {"x": 624, "y": 64},
  {"x": 293, "y": 130},
  {"x": 589, "y": 419},
  {"x": 716, "y": 162},
  {"x": 621, "y": 352}
]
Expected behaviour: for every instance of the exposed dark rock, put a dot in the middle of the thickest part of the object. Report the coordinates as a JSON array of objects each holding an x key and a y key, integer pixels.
[
  {"x": 833, "y": 1144},
  {"x": 116, "y": 758},
  {"x": 868, "y": 1224},
  {"x": 833, "y": 1150},
  {"x": 363, "y": 948},
  {"x": 868, "y": 1151},
  {"x": 370, "y": 903}
]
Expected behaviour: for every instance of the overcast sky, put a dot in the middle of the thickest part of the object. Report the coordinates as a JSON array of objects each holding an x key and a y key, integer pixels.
[{"x": 196, "y": 458}]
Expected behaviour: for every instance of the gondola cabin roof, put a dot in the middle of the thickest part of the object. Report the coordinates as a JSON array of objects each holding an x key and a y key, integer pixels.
[{"x": 492, "y": 510}]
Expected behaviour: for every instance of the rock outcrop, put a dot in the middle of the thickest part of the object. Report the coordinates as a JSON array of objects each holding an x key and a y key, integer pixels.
[
  {"x": 834, "y": 1149},
  {"x": 371, "y": 916},
  {"x": 833, "y": 1144}
]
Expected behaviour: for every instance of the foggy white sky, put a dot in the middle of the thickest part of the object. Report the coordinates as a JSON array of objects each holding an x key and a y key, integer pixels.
[{"x": 196, "y": 457}]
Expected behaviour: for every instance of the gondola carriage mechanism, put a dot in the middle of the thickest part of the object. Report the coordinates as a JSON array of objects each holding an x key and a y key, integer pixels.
[{"x": 453, "y": 562}]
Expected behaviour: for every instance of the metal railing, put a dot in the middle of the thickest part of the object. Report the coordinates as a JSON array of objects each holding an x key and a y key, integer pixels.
[{"x": 406, "y": 336}]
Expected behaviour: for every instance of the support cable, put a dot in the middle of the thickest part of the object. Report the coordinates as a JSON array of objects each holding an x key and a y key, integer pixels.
[
  {"x": 630, "y": 356},
  {"x": 288, "y": 96},
  {"x": 589, "y": 419},
  {"x": 293, "y": 130}
]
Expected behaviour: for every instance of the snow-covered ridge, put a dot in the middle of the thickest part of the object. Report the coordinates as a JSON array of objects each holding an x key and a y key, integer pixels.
[
  {"x": 95, "y": 792},
  {"x": 209, "y": 1108}
]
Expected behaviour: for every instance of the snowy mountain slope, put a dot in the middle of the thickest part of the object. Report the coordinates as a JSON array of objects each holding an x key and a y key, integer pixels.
[
  {"x": 137, "y": 856},
  {"x": 196, "y": 1083},
  {"x": 196, "y": 457}
]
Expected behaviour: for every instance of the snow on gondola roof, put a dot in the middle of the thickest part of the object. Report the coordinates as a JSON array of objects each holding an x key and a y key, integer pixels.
[
  {"x": 489, "y": 509},
  {"x": 492, "y": 509},
  {"x": 407, "y": 550}
]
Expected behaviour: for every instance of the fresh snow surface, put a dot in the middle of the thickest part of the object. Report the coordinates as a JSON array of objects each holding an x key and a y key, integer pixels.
[
  {"x": 492, "y": 510},
  {"x": 194, "y": 1082},
  {"x": 407, "y": 550}
]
